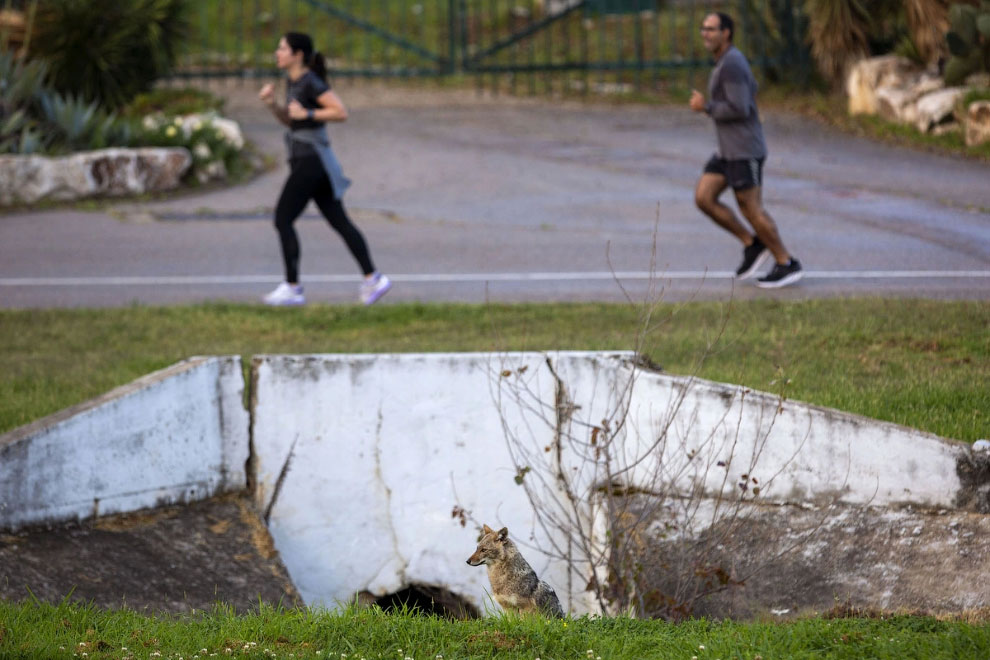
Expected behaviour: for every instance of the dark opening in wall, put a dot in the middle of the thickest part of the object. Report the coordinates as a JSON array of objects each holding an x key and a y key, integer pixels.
[{"x": 426, "y": 599}]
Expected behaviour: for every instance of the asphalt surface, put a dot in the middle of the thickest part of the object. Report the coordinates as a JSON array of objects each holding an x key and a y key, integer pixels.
[{"x": 468, "y": 198}]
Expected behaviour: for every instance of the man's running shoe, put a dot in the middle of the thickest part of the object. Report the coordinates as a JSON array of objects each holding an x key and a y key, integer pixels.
[
  {"x": 754, "y": 256},
  {"x": 782, "y": 275},
  {"x": 374, "y": 288},
  {"x": 285, "y": 294}
]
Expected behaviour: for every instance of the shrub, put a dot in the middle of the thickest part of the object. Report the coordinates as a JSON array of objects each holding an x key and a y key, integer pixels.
[
  {"x": 108, "y": 51},
  {"x": 167, "y": 101},
  {"x": 968, "y": 40},
  {"x": 215, "y": 149}
]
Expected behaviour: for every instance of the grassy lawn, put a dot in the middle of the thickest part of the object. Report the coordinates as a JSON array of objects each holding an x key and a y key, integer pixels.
[
  {"x": 919, "y": 363},
  {"x": 64, "y": 631}
]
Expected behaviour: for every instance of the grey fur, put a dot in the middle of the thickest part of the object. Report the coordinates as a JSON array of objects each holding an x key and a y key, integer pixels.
[{"x": 514, "y": 582}]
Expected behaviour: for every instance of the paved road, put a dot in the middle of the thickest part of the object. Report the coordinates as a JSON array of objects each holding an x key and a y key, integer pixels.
[{"x": 468, "y": 199}]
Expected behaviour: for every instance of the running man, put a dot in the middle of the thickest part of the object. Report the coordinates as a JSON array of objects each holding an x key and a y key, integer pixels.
[{"x": 740, "y": 157}]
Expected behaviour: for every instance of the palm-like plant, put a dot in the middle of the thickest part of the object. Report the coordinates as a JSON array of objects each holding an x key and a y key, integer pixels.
[
  {"x": 838, "y": 31},
  {"x": 108, "y": 50},
  {"x": 928, "y": 21}
]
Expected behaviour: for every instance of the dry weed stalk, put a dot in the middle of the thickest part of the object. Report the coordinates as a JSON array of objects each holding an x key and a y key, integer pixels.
[{"x": 651, "y": 518}]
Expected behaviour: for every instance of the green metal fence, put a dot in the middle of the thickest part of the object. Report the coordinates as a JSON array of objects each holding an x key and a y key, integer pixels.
[{"x": 578, "y": 44}]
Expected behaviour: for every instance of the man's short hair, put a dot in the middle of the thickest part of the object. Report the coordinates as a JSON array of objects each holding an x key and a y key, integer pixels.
[{"x": 725, "y": 22}]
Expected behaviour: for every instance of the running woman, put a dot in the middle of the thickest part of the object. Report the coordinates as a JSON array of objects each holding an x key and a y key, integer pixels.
[{"x": 315, "y": 173}]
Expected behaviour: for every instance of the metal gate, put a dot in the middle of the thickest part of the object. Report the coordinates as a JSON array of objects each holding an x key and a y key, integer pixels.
[{"x": 585, "y": 45}]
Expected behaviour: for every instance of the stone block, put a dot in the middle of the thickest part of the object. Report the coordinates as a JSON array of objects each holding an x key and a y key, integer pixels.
[
  {"x": 26, "y": 179},
  {"x": 978, "y": 123}
]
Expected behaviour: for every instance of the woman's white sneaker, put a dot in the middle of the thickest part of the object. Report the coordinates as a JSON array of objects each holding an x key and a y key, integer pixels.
[
  {"x": 285, "y": 294},
  {"x": 374, "y": 288}
]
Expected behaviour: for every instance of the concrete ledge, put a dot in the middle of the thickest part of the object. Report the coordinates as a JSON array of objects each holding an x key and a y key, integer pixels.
[
  {"x": 373, "y": 472},
  {"x": 176, "y": 435}
]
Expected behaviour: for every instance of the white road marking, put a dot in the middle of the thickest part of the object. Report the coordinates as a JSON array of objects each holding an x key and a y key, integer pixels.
[{"x": 183, "y": 280}]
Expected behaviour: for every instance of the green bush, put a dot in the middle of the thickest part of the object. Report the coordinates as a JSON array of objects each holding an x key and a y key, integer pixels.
[
  {"x": 968, "y": 40},
  {"x": 108, "y": 51},
  {"x": 215, "y": 152},
  {"x": 168, "y": 101}
]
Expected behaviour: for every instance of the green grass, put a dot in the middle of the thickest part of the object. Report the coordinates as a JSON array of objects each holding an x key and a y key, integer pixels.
[
  {"x": 919, "y": 363},
  {"x": 64, "y": 631}
]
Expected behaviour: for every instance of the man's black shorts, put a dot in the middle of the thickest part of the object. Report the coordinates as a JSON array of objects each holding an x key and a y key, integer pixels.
[{"x": 740, "y": 174}]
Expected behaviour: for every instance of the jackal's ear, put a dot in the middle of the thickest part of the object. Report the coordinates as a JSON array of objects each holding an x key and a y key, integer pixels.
[
  {"x": 486, "y": 529},
  {"x": 503, "y": 533}
]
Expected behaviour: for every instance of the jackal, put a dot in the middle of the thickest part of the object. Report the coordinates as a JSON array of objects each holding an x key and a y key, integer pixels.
[{"x": 514, "y": 582}]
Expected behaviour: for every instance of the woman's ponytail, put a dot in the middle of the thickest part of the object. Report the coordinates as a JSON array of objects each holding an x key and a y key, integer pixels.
[{"x": 318, "y": 65}]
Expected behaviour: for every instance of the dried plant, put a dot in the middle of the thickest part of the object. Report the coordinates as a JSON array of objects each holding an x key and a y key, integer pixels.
[
  {"x": 838, "y": 31},
  {"x": 928, "y": 21},
  {"x": 650, "y": 517}
]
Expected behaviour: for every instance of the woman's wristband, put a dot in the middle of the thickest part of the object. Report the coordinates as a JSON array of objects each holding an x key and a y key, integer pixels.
[{"x": 309, "y": 114}]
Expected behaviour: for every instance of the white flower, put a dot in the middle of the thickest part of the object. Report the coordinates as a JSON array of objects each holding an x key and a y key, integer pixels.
[
  {"x": 170, "y": 131},
  {"x": 229, "y": 131},
  {"x": 202, "y": 150}
]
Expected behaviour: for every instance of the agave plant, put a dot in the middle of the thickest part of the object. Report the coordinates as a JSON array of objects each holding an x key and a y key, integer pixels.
[
  {"x": 22, "y": 86},
  {"x": 77, "y": 124}
]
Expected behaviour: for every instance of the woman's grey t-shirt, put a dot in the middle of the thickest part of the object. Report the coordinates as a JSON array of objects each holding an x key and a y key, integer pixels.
[{"x": 306, "y": 89}]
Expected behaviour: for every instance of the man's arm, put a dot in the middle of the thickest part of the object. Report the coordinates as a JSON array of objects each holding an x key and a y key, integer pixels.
[{"x": 739, "y": 102}]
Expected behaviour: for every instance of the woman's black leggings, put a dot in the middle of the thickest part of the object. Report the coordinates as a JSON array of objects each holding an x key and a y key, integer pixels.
[{"x": 308, "y": 180}]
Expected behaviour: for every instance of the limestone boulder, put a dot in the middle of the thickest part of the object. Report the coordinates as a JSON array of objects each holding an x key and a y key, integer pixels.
[
  {"x": 105, "y": 172},
  {"x": 978, "y": 123},
  {"x": 937, "y": 108},
  {"x": 870, "y": 74},
  {"x": 897, "y": 101}
]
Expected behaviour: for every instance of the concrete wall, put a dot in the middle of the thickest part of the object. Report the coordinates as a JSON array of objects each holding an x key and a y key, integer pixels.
[
  {"x": 373, "y": 472},
  {"x": 362, "y": 461},
  {"x": 797, "y": 452},
  {"x": 177, "y": 435}
]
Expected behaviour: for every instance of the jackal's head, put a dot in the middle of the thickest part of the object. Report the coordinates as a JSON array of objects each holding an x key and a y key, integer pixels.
[{"x": 491, "y": 547}]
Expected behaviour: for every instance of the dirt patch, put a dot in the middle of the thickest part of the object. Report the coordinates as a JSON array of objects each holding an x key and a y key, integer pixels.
[{"x": 174, "y": 559}]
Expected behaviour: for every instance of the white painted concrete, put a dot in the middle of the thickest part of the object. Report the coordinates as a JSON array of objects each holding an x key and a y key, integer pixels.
[
  {"x": 797, "y": 452},
  {"x": 176, "y": 435},
  {"x": 383, "y": 448}
]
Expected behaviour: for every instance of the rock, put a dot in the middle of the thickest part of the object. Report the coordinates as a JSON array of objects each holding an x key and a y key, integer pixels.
[
  {"x": 981, "y": 445},
  {"x": 897, "y": 101},
  {"x": 937, "y": 107},
  {"x": 978, "y": 123},
  {"x": 868, "y": 74},
  {"x": 105, "y": 172},
  {"x": 979, "y": 79}
]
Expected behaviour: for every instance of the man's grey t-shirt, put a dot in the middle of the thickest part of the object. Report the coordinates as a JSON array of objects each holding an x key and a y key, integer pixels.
[{"x": 732, "y": 94}]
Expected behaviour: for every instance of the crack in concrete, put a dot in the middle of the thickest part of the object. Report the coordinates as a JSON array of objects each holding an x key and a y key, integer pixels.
[
  {"x": 281, "y": 480},
  {"x": 388, "y": 498}
]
